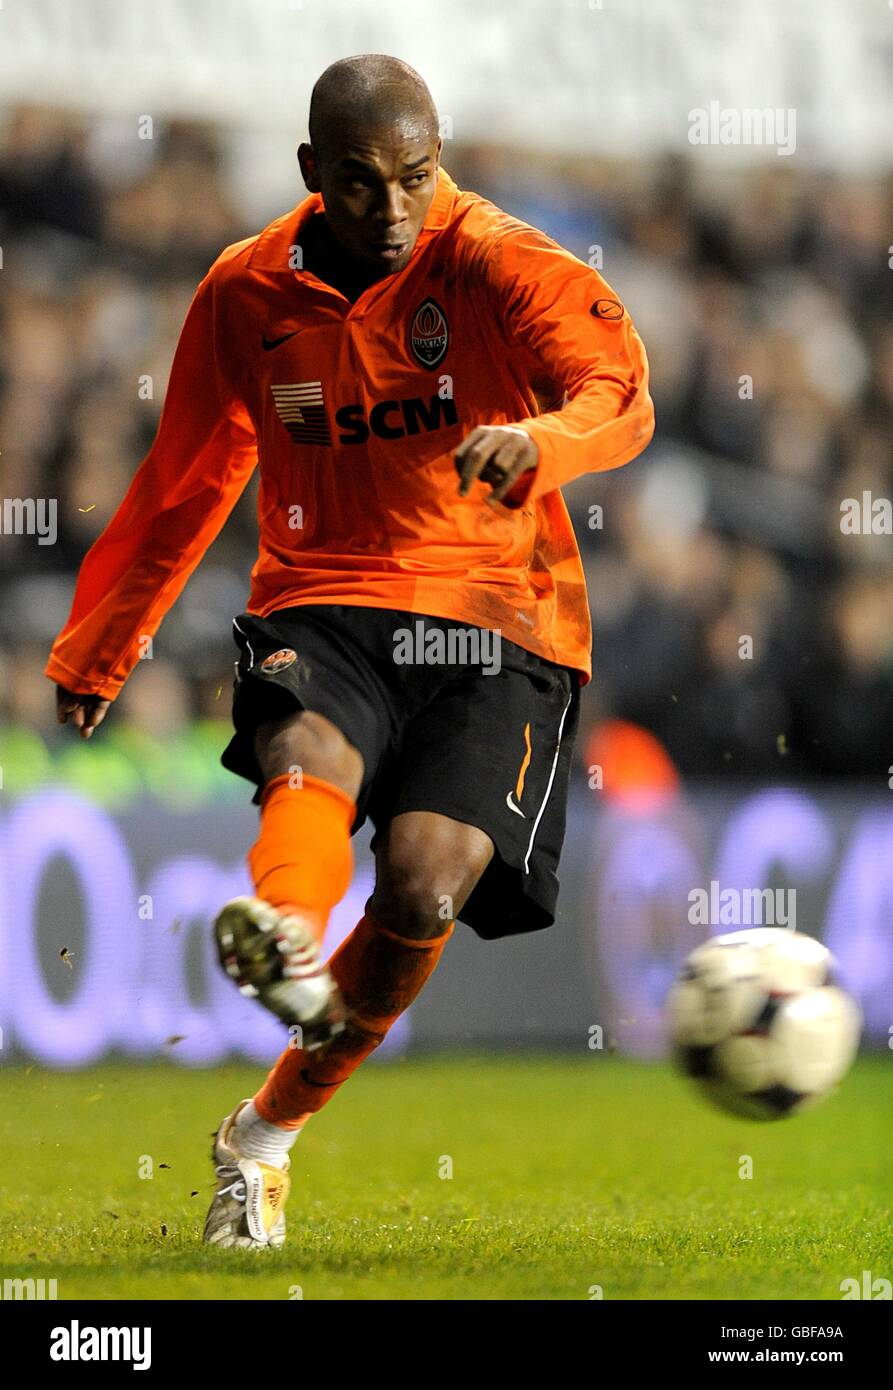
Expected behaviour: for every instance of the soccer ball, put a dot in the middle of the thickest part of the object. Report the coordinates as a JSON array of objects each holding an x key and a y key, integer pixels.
[{"x": 756, "y": 1019}]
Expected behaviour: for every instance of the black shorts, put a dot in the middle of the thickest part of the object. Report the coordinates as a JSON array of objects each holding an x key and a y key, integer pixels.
[{"x": 483, "y": 734}]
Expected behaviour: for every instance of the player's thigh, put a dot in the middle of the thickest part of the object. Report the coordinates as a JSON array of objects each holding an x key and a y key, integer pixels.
[
  {"x": 307, "y": 698},
  {"x": 492, "y": 753},
  {"x": 302, "y": 738},
  {"x": 426, "y": 866}
]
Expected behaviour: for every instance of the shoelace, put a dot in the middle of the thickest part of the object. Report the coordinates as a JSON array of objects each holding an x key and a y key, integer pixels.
[
  {"x": 232, "y": 1189},
  {"x": 301, "y": 952}
]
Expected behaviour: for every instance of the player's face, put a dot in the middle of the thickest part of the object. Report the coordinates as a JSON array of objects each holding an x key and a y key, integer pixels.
[{"x": 377, "y": 189}]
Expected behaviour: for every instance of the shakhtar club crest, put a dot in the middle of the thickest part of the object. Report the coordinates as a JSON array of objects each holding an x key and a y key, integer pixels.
[
  {"x": 278, "y": 661},
  {"x": 429, "y": 336}
]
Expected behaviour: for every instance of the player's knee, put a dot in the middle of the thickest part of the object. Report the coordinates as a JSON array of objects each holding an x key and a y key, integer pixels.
[
  {"x": 409, "y": 904},
  {"x": 312, "y": 743},
  {"x": 426, "y": 873}
]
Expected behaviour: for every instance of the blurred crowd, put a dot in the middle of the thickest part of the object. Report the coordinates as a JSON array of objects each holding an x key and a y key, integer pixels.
[{"x": 763, "y": 295}]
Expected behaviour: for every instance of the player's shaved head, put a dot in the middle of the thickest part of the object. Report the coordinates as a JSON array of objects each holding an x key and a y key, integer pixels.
[
  {"x": 373, "y": 156},
  {"x": 371, "y": 91}
]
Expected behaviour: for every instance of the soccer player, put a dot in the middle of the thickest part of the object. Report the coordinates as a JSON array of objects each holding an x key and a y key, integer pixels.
[{"x": 417, "y": 631}]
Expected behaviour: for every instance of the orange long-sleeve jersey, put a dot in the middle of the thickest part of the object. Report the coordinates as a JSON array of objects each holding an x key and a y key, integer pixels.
[{"x": 353, "y": 411}]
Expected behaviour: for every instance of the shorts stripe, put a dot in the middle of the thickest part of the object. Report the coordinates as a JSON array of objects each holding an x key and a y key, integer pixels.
[
  {"x": 247, "y": 643},
  {"x": 539, "y": 814}
]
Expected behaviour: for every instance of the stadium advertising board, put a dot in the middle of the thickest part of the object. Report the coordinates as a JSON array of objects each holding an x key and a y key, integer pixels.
[{"x": 106, "y": 947}]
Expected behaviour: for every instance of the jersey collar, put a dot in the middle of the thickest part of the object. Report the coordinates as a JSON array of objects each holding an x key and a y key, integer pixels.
[{"x": 274, "y": 245}]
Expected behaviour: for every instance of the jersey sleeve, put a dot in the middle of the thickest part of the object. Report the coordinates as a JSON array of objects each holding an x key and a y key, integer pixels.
[
  {"x": 203, "y": 454},
  {"x": 572, "y": 324}
]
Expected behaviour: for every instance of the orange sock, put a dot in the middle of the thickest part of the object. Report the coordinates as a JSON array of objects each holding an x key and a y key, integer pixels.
[
  {"x": 379, "y": 974},
  {"x": 303, "y": 859}
]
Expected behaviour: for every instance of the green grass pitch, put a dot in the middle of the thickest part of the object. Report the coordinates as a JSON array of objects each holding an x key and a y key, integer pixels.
[{"x": 567, "y": 1175}]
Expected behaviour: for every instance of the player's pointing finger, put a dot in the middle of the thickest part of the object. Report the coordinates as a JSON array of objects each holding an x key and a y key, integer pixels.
[
  {"x": 508, "y": 463},
  {"x": 471, "y": 458}
]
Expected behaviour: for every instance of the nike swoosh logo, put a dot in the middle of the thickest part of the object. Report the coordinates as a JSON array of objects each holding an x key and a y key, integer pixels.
[
  {"x": 512, "y": 807},
  {"x": 268, "y": 344}
]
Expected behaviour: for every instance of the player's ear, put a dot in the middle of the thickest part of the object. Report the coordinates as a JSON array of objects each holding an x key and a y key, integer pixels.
[{"x": 309, "y": 168}]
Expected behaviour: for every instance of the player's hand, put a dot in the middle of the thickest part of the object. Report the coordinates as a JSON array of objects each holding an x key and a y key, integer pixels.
[
  {"x": 86, "y": 712},
  {"x": 494, "y": 454}
]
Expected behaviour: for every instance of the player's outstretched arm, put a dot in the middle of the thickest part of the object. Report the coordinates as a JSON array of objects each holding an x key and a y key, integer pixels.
[
  {"x": 203, "y": 455},
  {"x": 573, "y": 326}
]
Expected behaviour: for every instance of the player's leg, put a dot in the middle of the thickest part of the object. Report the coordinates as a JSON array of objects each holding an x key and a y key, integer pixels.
[
  {"x": 307, "y": 740},
  {"x": 301, "y": 860},
  {"x": 313, "y": 720},
  {"x": 426, "y": 867},
  {"x": 301, "y": 864}
]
